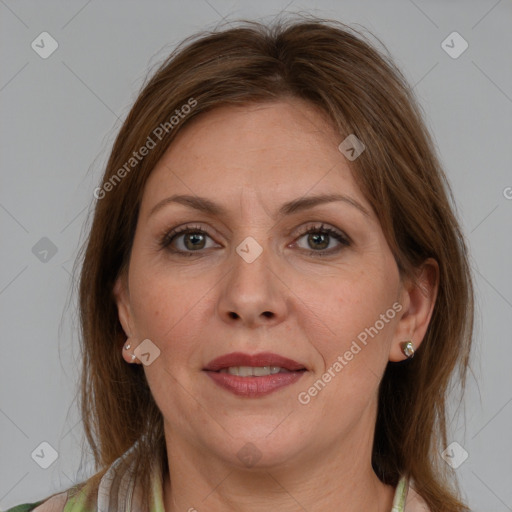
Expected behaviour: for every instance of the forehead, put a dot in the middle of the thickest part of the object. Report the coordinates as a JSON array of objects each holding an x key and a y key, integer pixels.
[{"x": 277, "y": 150}]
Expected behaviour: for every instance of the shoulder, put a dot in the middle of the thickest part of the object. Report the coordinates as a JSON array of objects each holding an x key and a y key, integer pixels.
[
  {"x": 55, "y": 503},
  {"x": 115, "y": 484},
  {"x": 27, "y": 507}
]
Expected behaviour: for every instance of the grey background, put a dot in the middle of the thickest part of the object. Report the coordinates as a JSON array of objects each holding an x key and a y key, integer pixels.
[{"x": 60, "y": 115}]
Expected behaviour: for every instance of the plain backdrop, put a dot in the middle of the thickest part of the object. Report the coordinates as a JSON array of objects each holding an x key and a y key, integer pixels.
[{"x": 59, "y": 116}]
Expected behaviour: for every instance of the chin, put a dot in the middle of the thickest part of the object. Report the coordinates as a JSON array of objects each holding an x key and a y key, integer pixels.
[{"x": 260, "y": 446}]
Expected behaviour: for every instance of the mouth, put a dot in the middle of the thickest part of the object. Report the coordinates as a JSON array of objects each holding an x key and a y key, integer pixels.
[{"x": 254, "y": 375}]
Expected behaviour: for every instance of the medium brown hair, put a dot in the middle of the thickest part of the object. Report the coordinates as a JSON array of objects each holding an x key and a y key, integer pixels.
[{"x": 337, "y": 69}]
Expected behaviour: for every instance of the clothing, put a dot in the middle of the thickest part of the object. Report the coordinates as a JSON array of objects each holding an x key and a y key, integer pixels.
[{"x": 117, "y": 493}]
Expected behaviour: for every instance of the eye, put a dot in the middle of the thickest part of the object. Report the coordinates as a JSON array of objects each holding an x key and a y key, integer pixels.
[
  {"x": 186, "y": 240},
  {"x": 321, "y": 239},
  {"x": 190, "y": 239}
]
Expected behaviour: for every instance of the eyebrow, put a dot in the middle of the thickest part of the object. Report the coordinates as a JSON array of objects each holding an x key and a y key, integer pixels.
[{"x": 205, "y": 205}]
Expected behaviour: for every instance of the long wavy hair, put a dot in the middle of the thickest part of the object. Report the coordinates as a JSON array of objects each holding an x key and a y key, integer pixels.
[{"x": 339, "y": 70}]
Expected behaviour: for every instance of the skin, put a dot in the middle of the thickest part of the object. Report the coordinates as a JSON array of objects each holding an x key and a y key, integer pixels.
[{"x": 251, "y": 159}]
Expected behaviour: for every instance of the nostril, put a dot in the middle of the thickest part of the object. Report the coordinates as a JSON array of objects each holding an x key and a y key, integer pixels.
[
  {"x": 268, "y": 314},
  {"x": 232, "y": 314}
]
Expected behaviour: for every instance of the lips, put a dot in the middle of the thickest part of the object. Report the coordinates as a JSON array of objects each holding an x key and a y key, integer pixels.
[
  {"x": 253, "y": 386},
  {"x": 262, "y": 359}
]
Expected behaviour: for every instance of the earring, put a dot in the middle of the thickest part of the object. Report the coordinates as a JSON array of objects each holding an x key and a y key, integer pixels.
[
  {"x": 127, "y": 346},
  {"x": 407, "y": 349}
]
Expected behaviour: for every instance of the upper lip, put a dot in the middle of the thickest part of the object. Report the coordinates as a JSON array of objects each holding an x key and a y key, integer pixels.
[{"x": 261, "y": 359}]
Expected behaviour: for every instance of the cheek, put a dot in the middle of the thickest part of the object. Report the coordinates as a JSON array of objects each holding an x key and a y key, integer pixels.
[
  {"x": 170, "y": 309},
  {"x": 351, "y": 316},
  {"x": 354, "y": 327},
  {"x": 350, "y": 301}
]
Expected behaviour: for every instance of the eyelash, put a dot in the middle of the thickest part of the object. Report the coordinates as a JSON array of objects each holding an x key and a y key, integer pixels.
[{"x": 168, "y": 238}]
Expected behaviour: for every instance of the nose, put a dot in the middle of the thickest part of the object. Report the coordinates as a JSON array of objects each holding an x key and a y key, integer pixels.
[{"x": 252, "y": 293}]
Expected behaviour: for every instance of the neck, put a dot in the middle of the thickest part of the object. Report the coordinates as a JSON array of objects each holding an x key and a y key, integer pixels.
[{"x": 327, "y": 481}]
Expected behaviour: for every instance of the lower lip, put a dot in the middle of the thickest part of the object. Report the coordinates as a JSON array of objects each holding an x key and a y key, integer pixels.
[{"x": 254, "y": 386}]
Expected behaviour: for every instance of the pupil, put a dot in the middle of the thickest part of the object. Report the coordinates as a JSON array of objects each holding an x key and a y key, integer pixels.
[
  {"x": 193, "y": 238},
  {"x": 316, "y": 239}
]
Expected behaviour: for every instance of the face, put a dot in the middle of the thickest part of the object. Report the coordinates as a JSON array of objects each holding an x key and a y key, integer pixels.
[{"x": 262, "y": 266}]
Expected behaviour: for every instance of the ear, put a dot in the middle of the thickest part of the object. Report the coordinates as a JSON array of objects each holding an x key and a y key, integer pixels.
[
  {"x": 122, "y": 297},
  {"x": 418, "y": 299}
]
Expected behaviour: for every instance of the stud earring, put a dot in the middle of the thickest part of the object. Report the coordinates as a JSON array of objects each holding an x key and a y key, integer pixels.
[
  {"x": 127, "y": 346},
  {"x": 407, "y": 349}
]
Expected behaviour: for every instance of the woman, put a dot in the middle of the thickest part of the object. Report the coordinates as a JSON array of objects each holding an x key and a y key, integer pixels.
[{"x": 275, "y": 290}]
